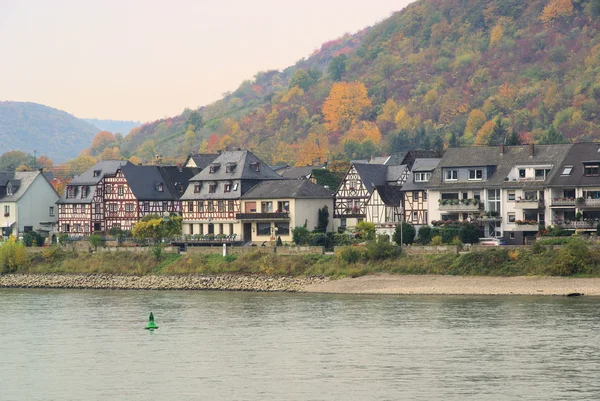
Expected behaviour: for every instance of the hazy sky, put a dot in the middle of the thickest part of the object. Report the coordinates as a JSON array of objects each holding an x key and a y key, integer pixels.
[{"x": 145, "y": 59}]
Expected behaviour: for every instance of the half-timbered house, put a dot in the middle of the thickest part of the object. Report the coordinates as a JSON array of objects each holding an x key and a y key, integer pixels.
[
  {"x": 213, "y": 198},
  {"x": 273, "y": 208},
  {"x": 414, "y": 191},
  {"x": 384, "y": 208}
]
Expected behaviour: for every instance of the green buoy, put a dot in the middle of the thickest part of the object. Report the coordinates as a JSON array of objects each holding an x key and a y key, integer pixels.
[{"x": 151, "y": 325}]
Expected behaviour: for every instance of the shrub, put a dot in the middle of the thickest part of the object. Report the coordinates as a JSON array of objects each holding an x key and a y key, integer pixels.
[
  {"x": 300, "y": 235},
  {"x": 424, "y": 235},
  {"x": 404, "y": 233},
  {"x": 448, "y": 234},
  {"x": 570, "y": 259},
  {"x": 538, "y": 248},
  {"x": 230, "y": 258},
  {"x": 469, "y": 234},
  {"x": 436, "y": 241},
  {"x": 318, "y": 239},
  {"x": 350, "y": 254},
  {"x": 96, "y": 240},
  {"x": 157, "y": 252},
  {"x": 381, "y": 249},
  {"x": 341, "y": 240},
  {"x": 63, "y": 238},
  {"x": 12, "y": 256},
  {"x": 52, "y": 254},
  {"x": 458, "y": 243},
  {"x": 33, "y": 239},
  {"x": 366, "y": 230}
]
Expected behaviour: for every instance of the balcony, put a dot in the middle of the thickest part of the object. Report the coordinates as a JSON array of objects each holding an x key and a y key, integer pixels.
[
  {"x": 573, "y": 225},
  {"x": 283, "y": 216},
  {"x": 529, "y": 204},
  {"x": 526, "y": 227},
  {"x": 588, "y": 203},
  {"x": 460, "y": 205},
  {"x": 563, "y": 202}
]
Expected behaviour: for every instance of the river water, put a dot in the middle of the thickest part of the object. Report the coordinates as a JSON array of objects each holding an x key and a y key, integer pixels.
[{"x": 91, "y": 345}]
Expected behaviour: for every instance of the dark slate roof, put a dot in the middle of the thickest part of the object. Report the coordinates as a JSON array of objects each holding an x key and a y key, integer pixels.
[
  {"x": 421, "y": 154},
  {"x": 391, "y": 195},
  {"x": 144, "y": 181},
  {"x": 502, "y": 163},
  {"x": 288, "y": 189},
  {"x": 379, "y": 159},
  {"x": 243, "y": 161},
  {"x": 394, "y": 173},
  {"x": 279, "y": 168},
  {"x": 425, "y": 165},
  {"x": 178, "y": 179},
  {"x": 298, "y": 172},
  {"x": 371, "y": 175},
  {"x": 105, "y": 167},
  {"x": 396, "y": 159},
  {"x": 578, "y": 153},
  {"x": 202, "y": 160},
  {"x": 20, "y": 182}
]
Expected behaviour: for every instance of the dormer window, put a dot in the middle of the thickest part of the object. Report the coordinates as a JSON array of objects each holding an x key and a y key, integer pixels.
[
  {"x": 476, "y": 174},
  {"x": 213, "y": 168},
  {"x": 235, "y": 186},
  {"x": 160, "y": 187},
  {"x": 541, "y": 174},
  {"x": 255, "y": 166},
  {"x": 212, "y": 187},
  {"x": 422, "y": 177},
  {"x": 230, "y": 167},
  {"x": 84, "y": 192},
  {"x": 197, "y": 187},
  {"x": 70, "y": 192},
  {"x": 451, "y": 175},
  {"x": 567, "y": 170},
  {"x": 522, "y": 173},
  {"x": 9, "y": 189},
  {"x": 591, "y": 170},
  {"x": 227, "y": 186},
  {"x": 96, "y": 173}
]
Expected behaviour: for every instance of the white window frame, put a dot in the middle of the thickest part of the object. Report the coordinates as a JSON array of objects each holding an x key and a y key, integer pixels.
[
  {"x": 475, "y": 172},
  {"x": 450, "y": 175}
]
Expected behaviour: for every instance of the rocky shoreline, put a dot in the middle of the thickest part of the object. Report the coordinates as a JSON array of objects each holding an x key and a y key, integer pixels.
[{"x": 222, "y": 282}]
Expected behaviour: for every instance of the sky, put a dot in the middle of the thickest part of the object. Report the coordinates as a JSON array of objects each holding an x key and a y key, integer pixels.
[{"x": 143, "y": 60}]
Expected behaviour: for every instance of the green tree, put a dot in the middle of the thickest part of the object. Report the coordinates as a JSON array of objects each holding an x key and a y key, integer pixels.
[
  {"x": 300, "y": 235},
  {"x": 469, "y": 234},
  {"x": 13, "y": 159},
  {"x": 195, "y": 119},
  {"x": 301, "y": 79},
  {"x": 424, "y": 235},
  {"x": 513, "y": 138},
  {"x": 405, "y": 233},
  {"x": 337, "y": 67},
  {"x": 366, "y": 230},
  {"x": 499, "y": 133},
  {"x": 552, "y": 136},
  {"x": 323, "y": 220}
]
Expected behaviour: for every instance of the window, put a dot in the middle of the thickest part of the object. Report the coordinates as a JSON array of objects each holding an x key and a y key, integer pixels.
[
  {"x": 221, "y": 206},
  {"x": 263, "y": 228},
  {"x": 424, "y": 195},
  {"x": 451, "y": 175},
  {"x": 511, "y": 217},
  {"x": 77, "y": 227},
  {"x": 477, "y": 195},
  {"x": 567, "y": 170},
  {"x": 231, "y": 206},
  {"x": 450, "y": 196},
  {"x": 99, "y": 191},
  {"x": 96, "y": 173},
  {"x": 191, "y": 229},
  {"x": 530, "y": 195},
  {"x": 51, "y": 211},
  {"x": 227, "y": 187},
  {"x": 221, "y": 228},
  {"x": 343, "y": 222},
  {"x": 521, "y": 173},
  {"x": 121, "y": 190},
  {"x": 129, "y": 207},
  {"x": 211, "y": 206},
  {"x": 190, "y": 207},
  {"x": 75, "y": 208},
  {"x": 266, "y": 207},
  {"x": 415, "y": 195},
  {"x": 283, "y": 206},
  {"x": 84, "y": 192},
  {"x": 230, "y": 168},
  {"x": 213, "y": 168},
  {"x": 415, "y": 216},
  {"x": 465, "y": 195},
  {"x": 255, "y": 166},
  {"x": 422, "y": 177},
  {"x": 6, "y": 211},
  {"x": 70, "y": 192},
  {"x": 476, "y": 174},
  {"x": 160, "y": 187},
  {"x": 146, "y": 206},
  {"x": 235, "y": 186},
  {"x": 108, "y": 188},
  {"x": 165, "y": 207},
  {"x": 9, "y": 190},
  {"x": 591, "y": 170},
  {"x": 511, "y": 195},
  {"x": 250, "y": 207},
  {"x": 282, "y": 228},
  {"x": 231, "y": 229},
  {"x": 201, "y": 206},
  {"x": 212, "y": 188},
  {"x": 197, "y": 187},
  {"x": 511, "y": 235}
]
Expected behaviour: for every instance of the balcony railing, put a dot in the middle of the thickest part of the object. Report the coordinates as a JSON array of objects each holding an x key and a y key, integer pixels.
[
  {"x": 263, "y": 216},
  {"x": 529, "y": 204},
  {"x": 460, "y": 205},
  {"x": 526, "y": 227},
  {"x": 562, "y": 202},
  {"x": 589, "y": 203},
  {"x": 590, "y": 224}
]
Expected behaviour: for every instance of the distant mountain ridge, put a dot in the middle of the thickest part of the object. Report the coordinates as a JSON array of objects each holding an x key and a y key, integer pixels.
[
  {"x": 114, "y": 126},
  {"x": 29, "y": 126}
]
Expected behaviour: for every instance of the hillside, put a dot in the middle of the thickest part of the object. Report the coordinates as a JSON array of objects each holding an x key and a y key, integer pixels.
[
  {"x": 437, "y": 73},
  {"x": 51, "y": 132},
  {"x": 116, "y": 126}
]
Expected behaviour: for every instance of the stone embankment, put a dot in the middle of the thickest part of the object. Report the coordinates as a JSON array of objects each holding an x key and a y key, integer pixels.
[{"x": 224, "y": 282}]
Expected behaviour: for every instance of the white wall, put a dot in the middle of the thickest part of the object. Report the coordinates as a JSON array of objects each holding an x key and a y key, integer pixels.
[{"x": 34, "y": 206}]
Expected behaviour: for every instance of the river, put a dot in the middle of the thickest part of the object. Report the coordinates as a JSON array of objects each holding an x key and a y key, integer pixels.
[{"x": 91, "y": 345}]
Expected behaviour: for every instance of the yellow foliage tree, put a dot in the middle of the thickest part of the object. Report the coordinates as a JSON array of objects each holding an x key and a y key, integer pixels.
[
  {"x": 102, "y": 140},
  {"x": 363, "y": 131},
  {"x": 294, "y": 92},
  {"x": 313, "y": 150},
  {"x": 483, "y": 136},
  {"x": 496, "y": 35},
  {"x": 387, "y": 119},
  {"x": 557, "y": 9},
  {"x": 135, "y": 160},
  {"x": 80, "y": 164},
  {"x": 474, "y": 123},
  {"x": 110, "y": 154},
  {"x": 346, "y": 102},
  {"x": 226, "y": 141},
  {"x": 285, "y": 153}
]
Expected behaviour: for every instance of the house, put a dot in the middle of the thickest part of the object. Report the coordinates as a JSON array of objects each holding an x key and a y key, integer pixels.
[
  {"x": 213, "y": 198},
  {"x": 200, "y": 160},
  {"x": 27, "y": 203},
  {"x": 384, "y": 208},
  {"x": 414, "y": 191},
  {"x": 503, "y": 188},
  {"x": 574, "y": 197},
  {"x": 117, "y": 194},
  {"x": 273, "y": 208}
]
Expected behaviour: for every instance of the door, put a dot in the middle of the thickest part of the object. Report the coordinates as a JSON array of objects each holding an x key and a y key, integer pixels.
[{"x": 247, "y": 232}]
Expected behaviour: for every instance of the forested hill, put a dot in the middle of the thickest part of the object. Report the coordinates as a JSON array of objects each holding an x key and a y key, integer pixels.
[
  {"x": 116, "y": 126},
  {"x": 51, "y": 132},
  {"x": 438, "y": 73}
]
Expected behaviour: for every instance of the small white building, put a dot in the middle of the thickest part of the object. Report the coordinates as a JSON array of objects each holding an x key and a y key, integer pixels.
[{"x": 27, "y": 203}]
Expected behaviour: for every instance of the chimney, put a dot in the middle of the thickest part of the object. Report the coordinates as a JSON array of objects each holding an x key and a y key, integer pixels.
[
  {"x": 531, "y": 150},
  {"x": 219, "y": 151},
  {"x": 239, "y": 149},
  {"x": 180, "y": 167},
  {"x": 501, "y": 148}
]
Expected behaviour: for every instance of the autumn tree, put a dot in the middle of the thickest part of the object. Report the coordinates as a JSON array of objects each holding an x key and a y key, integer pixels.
[
  {"x": 110, "y": 154},
  {"x": 147, "y": 150},
  {"x": 484, "y": 133},
  {"x": 189, "y": 140},
  {"x": 496, "y": 35},
  {"x": 13, "y": 159},
  {"x": 345, "y": 105},
  {"x": 135, "y": 160},
  {"x": 313, "y": 150},
  {"x": 102, "y": 140},
  {"x": 44, "y": 162},
  {"x": 301, "y": 79},
  {"x": 474, "y": 123},
  {"x": 80, "y": 164},
  {"x": 363, "y": 131},
  {"x": 499, "y": 133},
  {"x": 386, "y": 120},
  {"x": 337, "y": 68},
  {"x": 556, "y": 9}
]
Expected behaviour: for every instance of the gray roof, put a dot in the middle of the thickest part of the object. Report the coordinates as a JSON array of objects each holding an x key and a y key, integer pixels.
[
  {"x": 288, "y": 189},
  {"x": 94, "y": 174},
  {"x": 202, "y": 160},
  {"x": 279, "y": 167},
  {"x": 371, "y": 175},
  {"x": 177, "y": 178},
  {"x": 379, "y": 159},
  {"x": 425, "y": 165},
  {"x": 391, "y": 195},
  {"x": 501, "y": 164},
  {"x": 20, "y": 182},
  {"x": 394, "y": 172},
  {"x": 578, "y": 153},
  {"x": 243, "y": 160},
  {"x": 144, "y": 182},
  {"x": 298, "y": 172}
]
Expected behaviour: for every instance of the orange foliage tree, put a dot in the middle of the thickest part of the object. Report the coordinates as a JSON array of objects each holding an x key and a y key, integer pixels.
[
  {"x": 483, "y": 136},
  {"x": 102, "y": 140},
  {"x": 557, "y": 9},
  {"x": 346, "y": 102},
  {"x": 313, "y": 150},
  {"x": 363, "y": 131}
]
